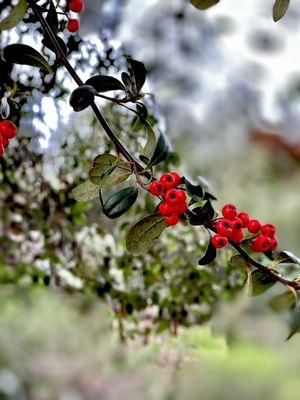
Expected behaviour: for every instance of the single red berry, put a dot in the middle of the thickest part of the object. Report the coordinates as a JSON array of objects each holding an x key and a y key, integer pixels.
[
  {"x": 229, "y": 211},
  {"x": 4, "y": 142},
  {"x": 245, "y": 219},
  {"x": 8, "y": 129},
  {"x": 166, "y": 209},
  {"x": 273, "y": 244},
  {"x": 172, "y": 219},
  {"x": 76, "y": 6},
  {"x": 156, "y": 188},
  {"x": 224, "y": 227},
  {"x": 181, "y": 207},
  {"x": 168, "y": 181},
  {"x": 237, "y": 223},
  {"x": 171, "y": 196},
  {"x": 262, "y": 243},
  {"x": 237, "y": 235},
  {"x": 73, "y": 25},
  {"x": 254, "y": 248},
  {"x": 177, "y": 178},
  {"x": 181, "y": 195},
  {"x": 219, "y": 241},
  {"x": 254, "y": 226},
  {"x": 268, "y": 230}
]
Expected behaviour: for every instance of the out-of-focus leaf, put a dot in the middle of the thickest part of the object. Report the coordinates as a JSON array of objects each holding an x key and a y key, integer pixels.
[
  {"x": 109, "y": 170},
  {"x": 294, "y": 321},
  {"x": 162, "y": 150},
  {"x": 288, "y": 256},
  {"x": 261, "y": 282},
  {"x": 104, "y": 83},
  {"x": 25, "y": 55},
  {"x": 209, "y": 255},
  {"x": 82, "y": 97},
  {"x": 151, "y": 141},
  {"x": 204, "y": 4},
  {"x": 15, "y": 16},
  {"x": 284, "y": 301},
  {"x": 280, "y": 8},
  {"x": 119, "y": 202},
  {"x": 87, "y": 191},
  {"x": 144, "y": 234}
]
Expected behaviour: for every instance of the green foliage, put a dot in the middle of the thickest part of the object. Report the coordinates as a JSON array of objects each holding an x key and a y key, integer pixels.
[
  {"x": 119, "y": 203},
  {"x": 204, "y": 4},
  {"x": 85, "y": 192},
  {"x": 103, "y": 83},
  {"x": 280, "y": 8},
  {"x": 109, "y": 170},
  {"x": 15, "y": 16},
  {"x": 25, "y": 55},
  {"x": 82, "y": 97}
]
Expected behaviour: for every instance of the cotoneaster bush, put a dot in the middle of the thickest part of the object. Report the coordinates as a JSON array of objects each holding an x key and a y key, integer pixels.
[{"x": 168, "y": 278}]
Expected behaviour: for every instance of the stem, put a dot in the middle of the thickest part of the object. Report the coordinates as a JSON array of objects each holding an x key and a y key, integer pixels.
[{"x": 62, "y": 57}]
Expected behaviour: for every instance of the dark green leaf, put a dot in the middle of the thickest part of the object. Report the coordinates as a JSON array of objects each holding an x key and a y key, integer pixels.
[
  {"x": 119, "y": 202},
  {"x": 284, "y": 301},
  {"x": 49, "y": 44},
  {"x": 202, "y": 215},
  {"x": 15, "y": 16},
  {"x": 104, "y": 83},
  {"x": 280, "y": 8},
  {"x": 25, "y": 55},
  {"x": 82, "y": 97},
  {"x": 127, "y": 81},
  {"x": 261, "y": 282},
  {"x": 151, "y": 141},
  {"x": 204, "y": 4},
  {"x": 209, "y": 256},
  {"x": 85, "y": 192},
  {"x": 144, "y": 234},
  {"x": 161, "y": 151},
  {"x": 195, "y": 191},
  {"x": 52, "y": 17},
  {"x": 288, "y": 256},
  {"x": 138, "y": 73}
]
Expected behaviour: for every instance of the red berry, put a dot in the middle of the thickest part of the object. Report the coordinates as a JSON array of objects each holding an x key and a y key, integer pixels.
[
  {"x": 171, "y": 197},
  {"x": 181, "y": 195},
  {"x": 268, "y": 230},
  {"x": 237, "y": 223},
  {"x": 229, "y": 211},
  {"x": 273, "y": 244},
  {"x": 254, "y": 226},
  {"x": 1, "y": 150},
  {"x": 73, "y": 25},
  {"x": 172, "y": 219},
  {"x": 4, "y": 142},
  {"x": 245, "y": 219},
  {"x": 237, "y": 235},
  {"x": 219, "y": 241},
  {"x": 224, "y": 227},
  {"x": 76, "y": 6},
  {"x": 168, "y": 181},
  {"x": 156, "y": 188},
  {"x": 262, "y": 243},
  {"x": 177, "y": 178},
  {"x": 166, "y": 209},
  {"x": 8, "y": 129},
  {"x": 254, "y": 248},
  {"x": 181, "y": 207}
]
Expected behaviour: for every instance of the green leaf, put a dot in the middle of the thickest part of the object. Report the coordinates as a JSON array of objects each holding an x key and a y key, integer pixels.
[
  {"x": 109, "y": 170},
  {"x": 151, "y": 141},
  {"x": 204, "y": 4},
  {"x": 280, "y": 8},
  {"x": 127, "y": 81},
  {"x": 294, "y": 322},
  {"x": 284, "y": 301},
  {"x": 138, "y": 73},
  {"x": 104, "y": 83},
  {"x": 82, "y": 97},
  {"x": 15, "y": 16},
  {"x": 195, "y": 191},
  {"x": 48, "y": 43},
  {"x": 52, "y": 17},
  {"x": 161, "y": 151},
  {"x": 145, "y": 233},
  {"x": 25, "y": 55},
  {"x": 261, "y": 282},
  {"x": 209, "y": 255},
  {"x": 119, "y": 202},
  {"x": 288, "y": 256},
  {"x": 237, "y": 261},
  {"x": 87, "y": 191}
]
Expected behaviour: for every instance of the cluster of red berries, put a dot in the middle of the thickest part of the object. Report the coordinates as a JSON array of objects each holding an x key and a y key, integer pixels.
[
  {"x": 76, "y": 6},
  {"x": 174, "y": 201},
  {"x": 231, "y": 228},
  {"x": 8, "y": 130}
]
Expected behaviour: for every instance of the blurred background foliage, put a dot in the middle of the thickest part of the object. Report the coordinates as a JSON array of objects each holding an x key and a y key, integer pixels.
[{"x": 226, "y": 89}]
